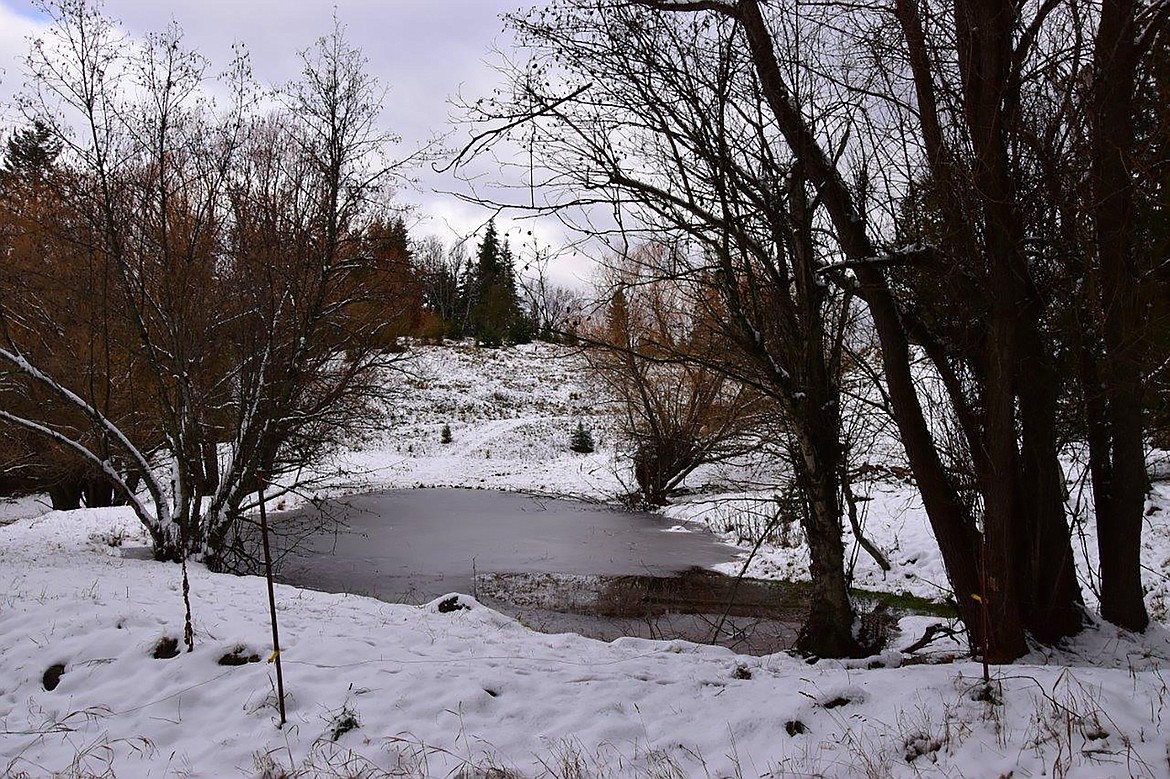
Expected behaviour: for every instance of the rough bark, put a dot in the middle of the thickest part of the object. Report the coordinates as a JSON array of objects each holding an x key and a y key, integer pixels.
[
  {"x": 950, "y": 521},
  {"x": 1051, "y": 600},
  {"x": 828, "y": 629},
  {"x": 1122, "y": 498}
]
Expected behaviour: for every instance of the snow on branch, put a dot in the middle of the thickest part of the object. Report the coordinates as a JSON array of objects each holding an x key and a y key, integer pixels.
[
  {"x": 913, "y": 254},
  {"x": 21, "y": 363}
]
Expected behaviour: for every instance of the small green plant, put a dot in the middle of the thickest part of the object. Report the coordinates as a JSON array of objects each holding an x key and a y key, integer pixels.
[
  {"x": 445, "y": 434},
  {"x": 343, "y": 721},
  {"x": 582, "y": 439}
]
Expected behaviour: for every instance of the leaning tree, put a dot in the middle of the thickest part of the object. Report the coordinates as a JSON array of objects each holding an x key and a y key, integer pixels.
[
  {"x": 659, "y": 117},
  {"x": 897, "y": 151}
]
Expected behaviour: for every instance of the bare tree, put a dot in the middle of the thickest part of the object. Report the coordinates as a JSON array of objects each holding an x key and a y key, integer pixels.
[
  {"x": 661, "y": 117},
  {"x": 236, "y": 247},
  {"x": 554, "y": 310},
  {"x": 906, "y": 149},
  {"x": 651, "y": 354},
  {"x": 442, "y": 269},
  {"x": 1129, "y": 279},
  {"x": 982, "y": 93}
]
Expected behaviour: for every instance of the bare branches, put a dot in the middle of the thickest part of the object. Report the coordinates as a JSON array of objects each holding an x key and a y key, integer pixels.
[
  {"x": 716, "y": 6},
  {"x": 248, "y": 285},
  {"x": 481, "y": 140},
  {"x": 654, "y": 354}
]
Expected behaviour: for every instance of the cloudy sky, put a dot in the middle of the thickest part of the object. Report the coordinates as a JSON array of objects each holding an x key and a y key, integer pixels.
[{"x": 427, "y": 52}]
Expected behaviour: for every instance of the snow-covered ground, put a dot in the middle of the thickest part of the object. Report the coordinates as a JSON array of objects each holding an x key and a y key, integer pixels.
[
  {"x": 510, "y": 411},
  {"x": 379, "y": 689}
]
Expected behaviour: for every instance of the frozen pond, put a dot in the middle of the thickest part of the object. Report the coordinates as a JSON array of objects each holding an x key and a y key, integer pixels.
[{"x": 414, "y": 545}]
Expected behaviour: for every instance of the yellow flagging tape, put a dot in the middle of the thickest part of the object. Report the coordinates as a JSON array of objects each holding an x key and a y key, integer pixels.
[{"x": 273, "y": 656}]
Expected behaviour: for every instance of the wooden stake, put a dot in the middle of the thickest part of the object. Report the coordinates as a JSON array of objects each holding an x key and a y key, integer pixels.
[{"x": 272, "y": 608}]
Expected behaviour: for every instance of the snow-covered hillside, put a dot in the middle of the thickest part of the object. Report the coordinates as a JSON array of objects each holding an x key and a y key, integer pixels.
[
  {"x": 511, "y": 413},
  {"x": 381, "y": 689}
]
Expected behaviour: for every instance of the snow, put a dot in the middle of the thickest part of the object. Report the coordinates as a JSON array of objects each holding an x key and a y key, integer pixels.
[
  {"x": 511, "y": 412},
  {"x": 439, "y": 692}
]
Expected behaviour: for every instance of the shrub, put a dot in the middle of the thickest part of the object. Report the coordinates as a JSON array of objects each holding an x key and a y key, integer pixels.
[
  {"x": 490, "y": 338},
  {"x": 343, "y": 721},
  {"x": 445, "y": 435},
  {"x": 581, "y": 440},
  {"x": 519, "y": 331}
]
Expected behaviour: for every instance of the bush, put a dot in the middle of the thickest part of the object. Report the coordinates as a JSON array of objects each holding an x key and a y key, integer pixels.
[
  {"x": 519, "y": 331},
  {"x": 445, "y": 435},
  {"x": 581, "y": 440},
  {"x": 343, "y": 721},
  {"x": 490, "y": 338}
]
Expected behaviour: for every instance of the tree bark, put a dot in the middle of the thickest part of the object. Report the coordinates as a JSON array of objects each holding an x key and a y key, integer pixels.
[
  {"x": 1030, "y": 581},
  {"x": 952, "y": 525},
  {"x": 1122, "y": 498},
  {"x": 1051, "y": 601},
  {"x": 828, "y": 629}
]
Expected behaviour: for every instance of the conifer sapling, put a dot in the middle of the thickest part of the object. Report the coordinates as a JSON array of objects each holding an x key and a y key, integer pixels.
[{"x": 581, "y": 440}]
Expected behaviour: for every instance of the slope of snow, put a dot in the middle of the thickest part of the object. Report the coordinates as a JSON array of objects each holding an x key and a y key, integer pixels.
[
  {"x": 510, "y": 411},
  {"x": 470, "y": 691}
]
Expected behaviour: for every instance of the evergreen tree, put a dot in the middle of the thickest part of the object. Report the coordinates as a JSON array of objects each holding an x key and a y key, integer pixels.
[
  {"x": 30, "y": 154},
  {"x": 391, "y": 301},
  {"x": 492, "y": 302},
  {"x": 582, "y": 440}
]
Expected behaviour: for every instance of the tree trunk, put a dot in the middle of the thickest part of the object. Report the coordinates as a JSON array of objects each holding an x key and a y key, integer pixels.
[
  {"x": 98, "y": 491},
  {"x": 1003, "y": 525},
  {"x": 1051, "y": 598},
  {"x": 950, "y": 521},
  {"x": 1019, "y": 531},
  {"x": 65, "y": 495},
  {"x": 1119, "y": 507},
  {"x": 1119, "y": 529},
  {"x": 209, "y": 470},
  {"x": 828, "y": 630}
]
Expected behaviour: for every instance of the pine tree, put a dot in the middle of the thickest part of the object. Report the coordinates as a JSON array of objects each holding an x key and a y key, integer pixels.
[
  {"x": 385, "y": 269},
  {"x": 492, "y": 303},
  {"x": 581, "y": 440},
  {"x": 518, "y": 328},
  {"x": 31, "y": 152}
]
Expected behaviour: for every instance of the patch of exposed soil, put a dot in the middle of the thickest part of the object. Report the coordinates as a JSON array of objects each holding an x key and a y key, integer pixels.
[{"x": 748, "y": 616}]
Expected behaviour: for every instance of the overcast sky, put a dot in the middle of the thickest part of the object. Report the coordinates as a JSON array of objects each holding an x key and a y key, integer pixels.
[{"x": 425, "y": 52}]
